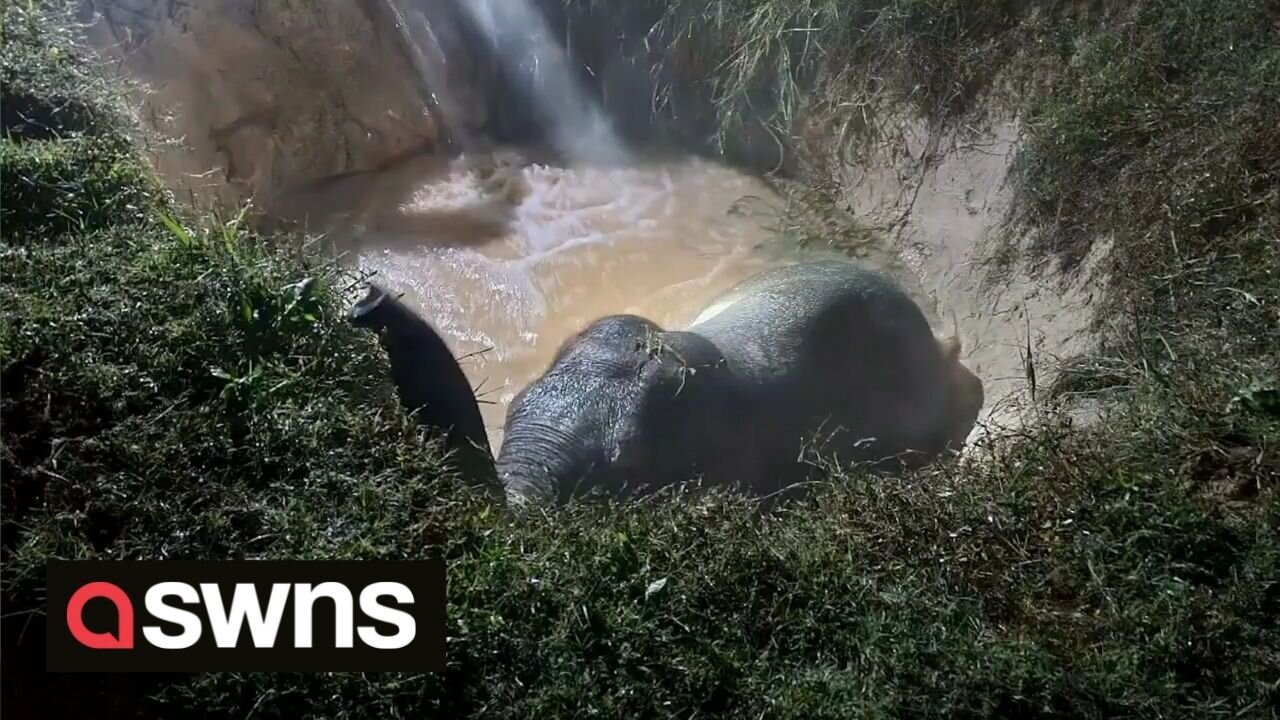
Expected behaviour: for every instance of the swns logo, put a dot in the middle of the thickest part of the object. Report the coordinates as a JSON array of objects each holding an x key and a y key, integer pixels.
[{"x": 253, "y": 615}]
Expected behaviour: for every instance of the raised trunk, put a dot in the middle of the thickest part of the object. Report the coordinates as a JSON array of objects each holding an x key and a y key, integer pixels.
[{"x": 430, "y": 383}]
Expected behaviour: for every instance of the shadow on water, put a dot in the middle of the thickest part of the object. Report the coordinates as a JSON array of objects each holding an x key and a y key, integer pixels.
[{"x": 374, "y": 208}]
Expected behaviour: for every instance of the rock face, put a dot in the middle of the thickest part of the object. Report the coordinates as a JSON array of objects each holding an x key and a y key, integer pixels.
[
  {"x": 267, "y": 95},
  {"x": 251, "y": 99}
]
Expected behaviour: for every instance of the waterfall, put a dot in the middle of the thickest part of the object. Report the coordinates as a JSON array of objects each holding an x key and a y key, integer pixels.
[{"x": 578, "y": 126}]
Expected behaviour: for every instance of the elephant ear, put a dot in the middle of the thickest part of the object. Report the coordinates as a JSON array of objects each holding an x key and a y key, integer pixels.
[
  {"x": 951, "y": 348},
  {"x": 684, "y": 405}
]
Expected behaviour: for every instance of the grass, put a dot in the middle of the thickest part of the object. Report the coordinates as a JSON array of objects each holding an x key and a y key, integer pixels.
[
  {"x": 179, "y": 387},
  {"x": 737, "y": 76},
  {"x": 1175, "y": 155}
]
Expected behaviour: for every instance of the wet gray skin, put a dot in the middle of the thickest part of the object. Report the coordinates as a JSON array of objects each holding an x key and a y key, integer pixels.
[
  {"x": 827, "y": 356},
  {"x": 624, "y": 407},
  {"x": 838, "y": 359}
]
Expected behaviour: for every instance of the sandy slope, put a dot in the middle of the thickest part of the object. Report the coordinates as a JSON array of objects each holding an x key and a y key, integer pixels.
[{"x": 943, "y": 197}]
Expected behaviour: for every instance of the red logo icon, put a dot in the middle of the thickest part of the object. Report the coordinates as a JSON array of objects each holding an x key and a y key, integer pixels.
[{"x": 123, "y": 637}]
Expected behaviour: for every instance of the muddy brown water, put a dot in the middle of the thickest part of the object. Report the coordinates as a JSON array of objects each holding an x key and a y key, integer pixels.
[{"x": 507, "y": 258}]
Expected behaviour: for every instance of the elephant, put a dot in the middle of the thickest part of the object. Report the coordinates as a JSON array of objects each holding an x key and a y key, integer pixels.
[
  {"x": 828, "y": 356},
  {"x": 839, "y": 358}
]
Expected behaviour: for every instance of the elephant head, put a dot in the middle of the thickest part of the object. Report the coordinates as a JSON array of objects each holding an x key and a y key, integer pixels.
[{"x": 624, "y": 405}]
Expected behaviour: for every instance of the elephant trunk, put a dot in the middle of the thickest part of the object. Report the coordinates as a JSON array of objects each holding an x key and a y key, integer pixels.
[
  {"x": 430, "y": 383},
  {"x": 535, "y": 457}
]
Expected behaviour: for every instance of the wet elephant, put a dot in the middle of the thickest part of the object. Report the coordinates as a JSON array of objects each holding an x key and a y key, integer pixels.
[
  {"x": 837, "y": 360},
  {"x": 828, "y": 356}
]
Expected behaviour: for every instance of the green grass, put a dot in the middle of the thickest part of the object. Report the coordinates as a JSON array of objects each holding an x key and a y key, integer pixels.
[
  {"x": 1174, "y": 154},
  {"x": 49, "y": 90},
  {"x": 738, "y": 75},
  {"x": 179, "y": 387}
]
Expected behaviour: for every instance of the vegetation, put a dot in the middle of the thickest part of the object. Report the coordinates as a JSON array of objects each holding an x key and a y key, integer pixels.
[
  {"x": 744, "y": 72},
  {"x": 1173, "y": 154},
  {"x": 178, "y": 387}
]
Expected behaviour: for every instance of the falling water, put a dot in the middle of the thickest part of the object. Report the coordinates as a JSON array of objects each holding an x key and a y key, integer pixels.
[{"x": 519, "y": 36}]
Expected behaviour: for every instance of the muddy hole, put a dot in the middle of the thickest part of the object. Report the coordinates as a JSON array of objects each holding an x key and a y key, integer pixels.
[
  {"x": 512, "y": 185},
  {"x": 508, "y": 257}
]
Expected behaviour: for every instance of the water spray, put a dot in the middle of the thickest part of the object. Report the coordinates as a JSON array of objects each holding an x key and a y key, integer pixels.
[
  {"x": 430, "y": 62},
  {"x": 519, "y": 36}
]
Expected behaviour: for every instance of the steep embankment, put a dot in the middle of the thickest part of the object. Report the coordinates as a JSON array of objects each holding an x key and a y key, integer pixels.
[
  {"x": 245, "y": 100},
  {"x": 181, "y": 390},
  {"x": 944, "y": 197}
]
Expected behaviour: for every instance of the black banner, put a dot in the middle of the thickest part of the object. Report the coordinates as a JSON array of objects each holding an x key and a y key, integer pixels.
[{"x": 251, "y": 615}]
